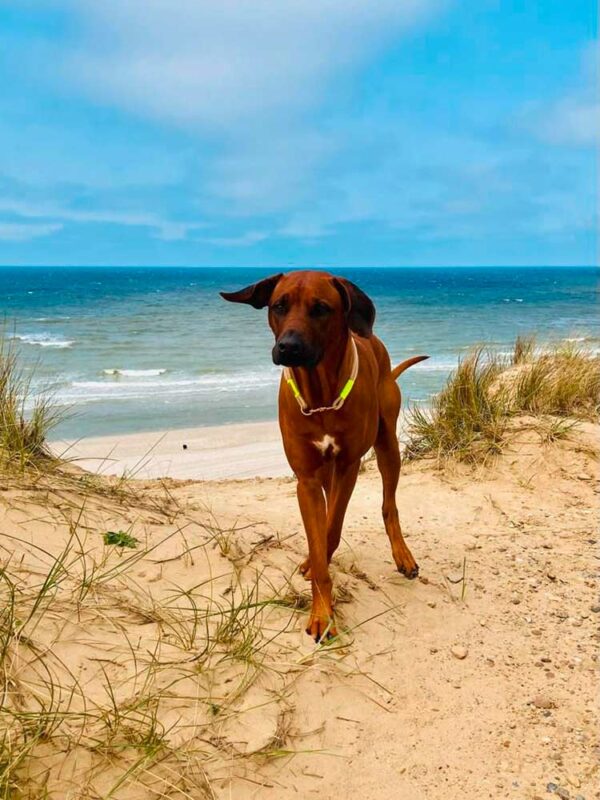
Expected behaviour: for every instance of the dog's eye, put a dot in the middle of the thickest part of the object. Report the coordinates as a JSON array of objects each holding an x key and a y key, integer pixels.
[
  {"x": 278, "y": 308},
  {"x": 320, "y": 309}
]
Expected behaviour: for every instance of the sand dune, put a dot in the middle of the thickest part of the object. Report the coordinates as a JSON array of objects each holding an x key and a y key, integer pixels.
[{"x": 180, "y": 667}]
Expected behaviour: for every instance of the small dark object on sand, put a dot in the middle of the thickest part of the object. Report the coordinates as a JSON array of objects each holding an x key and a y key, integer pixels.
[
  {"x": 185, "y": 446},
  {"x": 553, "y": 788}
]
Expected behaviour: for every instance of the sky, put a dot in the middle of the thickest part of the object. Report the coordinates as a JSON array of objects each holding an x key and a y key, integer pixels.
[{"x": 298, "y": 132}]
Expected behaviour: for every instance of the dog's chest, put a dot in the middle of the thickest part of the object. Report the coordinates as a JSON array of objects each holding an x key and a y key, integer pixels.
[{"x": 328, "y": 446}]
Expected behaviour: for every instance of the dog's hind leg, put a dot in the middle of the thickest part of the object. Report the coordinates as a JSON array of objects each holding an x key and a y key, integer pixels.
[{"x": 388, "y": 461}]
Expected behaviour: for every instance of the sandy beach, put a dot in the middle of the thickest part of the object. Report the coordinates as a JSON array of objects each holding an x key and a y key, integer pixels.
[
  {"x": 219, "y": 452},
  {"x": 219, "y": 218},
  {"x": 185, "y": 657},
  {"x": 212, "y": 453}
]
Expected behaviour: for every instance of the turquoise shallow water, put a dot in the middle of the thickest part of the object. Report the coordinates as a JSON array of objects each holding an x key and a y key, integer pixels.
[{"x": 150, "y": 348}]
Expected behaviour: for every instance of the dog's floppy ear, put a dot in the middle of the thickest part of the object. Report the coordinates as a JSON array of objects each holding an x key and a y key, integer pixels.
[
  {"x": 257, "y": 295},
  {"x": 359, "y": 308}
]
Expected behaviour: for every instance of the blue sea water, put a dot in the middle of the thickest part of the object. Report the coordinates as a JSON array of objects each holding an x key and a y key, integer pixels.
[{"x": 143, "y": 349}]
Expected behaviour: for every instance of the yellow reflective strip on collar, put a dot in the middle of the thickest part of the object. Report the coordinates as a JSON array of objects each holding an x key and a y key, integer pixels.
[
  {"x": 293, "y": 387},
  {"x": 347, "y": 389}
]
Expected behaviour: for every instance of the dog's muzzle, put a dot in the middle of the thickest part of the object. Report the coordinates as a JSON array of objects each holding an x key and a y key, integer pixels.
[{"x": 292, "y": 351}]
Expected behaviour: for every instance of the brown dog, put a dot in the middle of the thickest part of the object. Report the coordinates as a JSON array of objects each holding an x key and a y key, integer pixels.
[{"x": 338, "y": 398}]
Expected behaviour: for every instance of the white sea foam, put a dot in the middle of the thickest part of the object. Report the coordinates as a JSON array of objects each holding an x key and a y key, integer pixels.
[
  {"x": 135, "y": 373},
  {"x": 144, "y": 386},
  {"x": 43, "y": 340}
]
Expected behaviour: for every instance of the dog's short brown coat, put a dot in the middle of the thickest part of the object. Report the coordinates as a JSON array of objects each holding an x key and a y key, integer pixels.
[{"x": 322, "y": 313}]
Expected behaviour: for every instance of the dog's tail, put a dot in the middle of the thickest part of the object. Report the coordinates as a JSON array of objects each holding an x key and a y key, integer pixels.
[{"x": 397, "y": 371}]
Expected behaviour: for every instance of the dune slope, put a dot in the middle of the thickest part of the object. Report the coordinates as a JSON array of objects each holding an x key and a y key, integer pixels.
[{"x": 176, "y": 665}]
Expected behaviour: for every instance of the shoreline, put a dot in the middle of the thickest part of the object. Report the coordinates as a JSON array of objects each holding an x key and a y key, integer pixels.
[{"x": 219, "y": 452}]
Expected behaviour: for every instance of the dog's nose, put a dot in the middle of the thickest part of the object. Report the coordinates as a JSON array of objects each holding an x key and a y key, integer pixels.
[
  {"x": 291, "y": 350},
  {"x": 289, "y": 347},
  {"x": 290, "y": 344}
]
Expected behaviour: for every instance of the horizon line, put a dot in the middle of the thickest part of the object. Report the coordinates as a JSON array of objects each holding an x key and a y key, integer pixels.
[{"x": 289, "y": 268}]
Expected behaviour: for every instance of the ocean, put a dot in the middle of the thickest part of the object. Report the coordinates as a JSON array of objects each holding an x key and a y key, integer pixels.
[{"x": 146, "y": 349}]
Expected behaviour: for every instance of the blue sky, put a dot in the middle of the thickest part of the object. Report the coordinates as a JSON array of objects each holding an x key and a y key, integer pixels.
[{"x": 298, "y": 132}]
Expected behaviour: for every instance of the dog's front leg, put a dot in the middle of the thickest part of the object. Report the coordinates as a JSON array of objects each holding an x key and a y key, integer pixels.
[
  {"x": 312, "y": 508},
  {"x": 344, "y": 480}
]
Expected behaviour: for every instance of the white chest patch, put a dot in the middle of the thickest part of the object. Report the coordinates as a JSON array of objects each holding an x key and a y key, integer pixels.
[{"x": 327, "y": 445}]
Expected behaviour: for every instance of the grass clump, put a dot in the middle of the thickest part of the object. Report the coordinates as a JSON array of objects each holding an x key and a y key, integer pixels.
[
  {"x": 562, "y": 382},
  {"x": 470, "y": 418},
  {"x": 23, "y": 434}
]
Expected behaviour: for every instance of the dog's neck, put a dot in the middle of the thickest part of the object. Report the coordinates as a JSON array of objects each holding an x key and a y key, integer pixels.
[{"x": 321, "y": 385}]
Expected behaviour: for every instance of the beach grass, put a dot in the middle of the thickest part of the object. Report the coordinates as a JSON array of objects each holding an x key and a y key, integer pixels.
[
  {"x": 523, "y": 350},
  {"x": 25, "y": 419},
  {"x": 562, "y": 382},
  {"x": 472, "y": 417},
  {"x": 204, "y": 647},
  {"x": 468, "y": 418}
]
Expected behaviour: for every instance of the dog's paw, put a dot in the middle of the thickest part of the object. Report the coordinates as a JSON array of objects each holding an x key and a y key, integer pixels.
[
  {"x": 411, "y": 572},
  {"x": 321, "y": 627}
]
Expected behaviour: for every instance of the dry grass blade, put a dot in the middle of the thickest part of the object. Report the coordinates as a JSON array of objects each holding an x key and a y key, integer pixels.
[{"x": 524, "y": 350}]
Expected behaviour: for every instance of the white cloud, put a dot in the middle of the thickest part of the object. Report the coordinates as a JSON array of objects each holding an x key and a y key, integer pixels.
[
  {"x": 165, "y": 229},
  {"x": 24, "y": 232},
  {"x": 572, "y": 121},
  {"x": 267, "y": 139},
  {"x": 241, "y": 79},
  {"x": 246, "y": 239},
  {"x": 221, "y": 63},
  {"x": 305, "y": 227},
  {"x": 270, "y": 173}
]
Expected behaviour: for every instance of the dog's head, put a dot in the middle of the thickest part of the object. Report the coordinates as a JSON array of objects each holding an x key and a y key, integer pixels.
[{"x": 308, "y": 311}]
